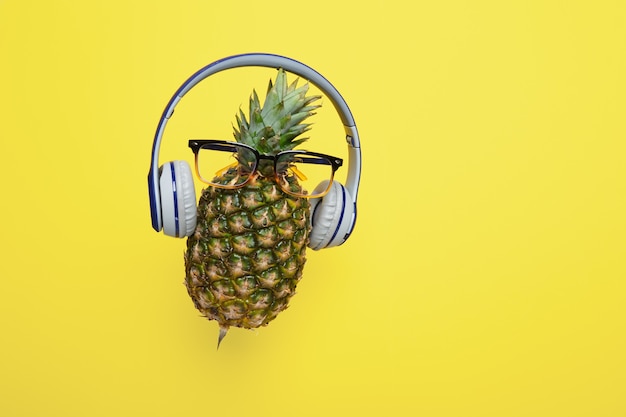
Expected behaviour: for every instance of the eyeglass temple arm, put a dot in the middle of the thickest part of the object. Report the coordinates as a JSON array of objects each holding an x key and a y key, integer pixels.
[
  {"x": 334, "y": 162},
  {"x": 195, "y": 145}
]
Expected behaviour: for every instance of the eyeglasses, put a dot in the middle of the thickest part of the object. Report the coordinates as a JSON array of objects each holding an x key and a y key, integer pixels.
[{"x": 232, "y": 165}]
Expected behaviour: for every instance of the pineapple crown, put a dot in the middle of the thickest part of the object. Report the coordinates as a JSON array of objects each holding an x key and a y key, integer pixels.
[{"x": 276, "y": 125}]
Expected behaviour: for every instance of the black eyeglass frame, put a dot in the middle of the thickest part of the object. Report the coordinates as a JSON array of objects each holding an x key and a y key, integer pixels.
[{"x": 228, "y": 146}]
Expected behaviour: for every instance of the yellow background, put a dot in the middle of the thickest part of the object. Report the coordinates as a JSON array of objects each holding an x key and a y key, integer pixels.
[{"x": 486, "y": 273}]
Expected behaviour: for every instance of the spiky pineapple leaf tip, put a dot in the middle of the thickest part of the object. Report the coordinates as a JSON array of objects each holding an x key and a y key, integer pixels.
[{"x": 222, "y": 335}]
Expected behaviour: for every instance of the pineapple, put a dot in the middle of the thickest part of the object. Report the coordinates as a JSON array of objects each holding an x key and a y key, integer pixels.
[{"x": 248, "y": 251}]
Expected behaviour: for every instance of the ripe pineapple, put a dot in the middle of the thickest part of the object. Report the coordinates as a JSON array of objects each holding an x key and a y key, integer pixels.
[{"x": 248, "y": 251}]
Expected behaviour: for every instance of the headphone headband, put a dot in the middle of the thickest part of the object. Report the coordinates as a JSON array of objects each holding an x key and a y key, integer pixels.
[{"x": 258, "y": 60}]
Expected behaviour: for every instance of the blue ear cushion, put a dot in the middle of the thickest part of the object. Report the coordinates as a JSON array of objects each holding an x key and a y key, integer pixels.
[
  {"x": 327, "y": 216},
  {"x": 178, "y": 200}
]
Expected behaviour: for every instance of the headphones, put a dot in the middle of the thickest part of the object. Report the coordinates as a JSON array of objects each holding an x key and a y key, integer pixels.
[{"x": 171, "y": 188}]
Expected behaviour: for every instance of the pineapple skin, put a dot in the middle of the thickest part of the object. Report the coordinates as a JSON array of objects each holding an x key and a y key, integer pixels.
[{"x": 247, "y": 254}]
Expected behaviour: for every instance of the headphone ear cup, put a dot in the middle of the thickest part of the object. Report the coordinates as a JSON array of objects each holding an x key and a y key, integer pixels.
[
  {"x": 178, "y": 199},
  {"x": 331, "y": 217}
]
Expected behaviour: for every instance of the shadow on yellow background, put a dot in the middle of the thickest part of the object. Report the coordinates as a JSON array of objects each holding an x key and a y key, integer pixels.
[{"x": 486, "y": 273}]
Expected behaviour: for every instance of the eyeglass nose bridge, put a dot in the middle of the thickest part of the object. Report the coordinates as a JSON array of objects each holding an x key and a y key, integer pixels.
[{"x": 266, "y": 157}]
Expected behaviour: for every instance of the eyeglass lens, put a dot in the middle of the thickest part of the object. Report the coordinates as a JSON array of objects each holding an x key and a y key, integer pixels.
[
  {"x": 307, "y": 170},
  {"x": 221, "y": 167}
]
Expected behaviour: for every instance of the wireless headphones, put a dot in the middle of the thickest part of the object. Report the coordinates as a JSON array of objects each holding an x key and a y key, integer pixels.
[{"x": 171, "y": 189}]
